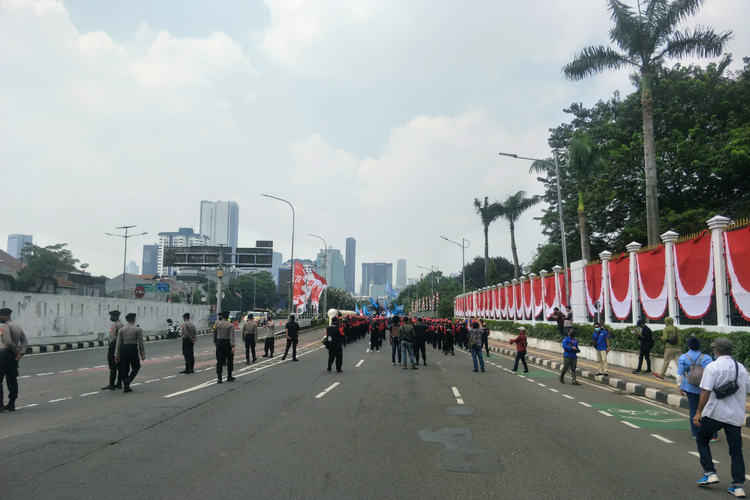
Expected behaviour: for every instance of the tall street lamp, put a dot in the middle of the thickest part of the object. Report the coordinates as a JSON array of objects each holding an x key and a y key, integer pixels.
[
  {"x": 559, "y": 212},
  {"x": 432, "y": 286},
  {"x": 325, "y": 271},
  {"x": 291, "y": 284},
  {"x": 464, "y": 245},
  {"x": 125, "y": 256}
]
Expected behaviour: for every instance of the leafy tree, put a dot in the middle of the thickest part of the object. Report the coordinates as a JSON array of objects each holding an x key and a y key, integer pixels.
[
  {"x": 256, "y": 289},
  {"x": 501, "y": 270},
  {"x": 646, "y": 39},
  {"x": 488, "y": 213},
  {"x": 42, "y": 265},
  {"x": 512, "y": 208},
  {"x": 174, "y": 298},
  {"x": 340, "y": 299},
  {"x": 547, "y": 256}
]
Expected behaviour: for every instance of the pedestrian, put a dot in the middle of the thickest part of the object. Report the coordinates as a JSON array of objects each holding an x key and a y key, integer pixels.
[
  {"x": 673, "y": 346},
  {"x": 647, "y": 343},
  {"x": 690, "y": 369},
  {"x": 520, "y": 342},
  {"x": 601, "y": 344},
  {"x": 292, "y": 337},
  {"x": 486, "y": 338},
  {"x": 270, "y": 338},
  {"x": 475, "y": 345},
  {"x": 129, "y": 345},
  {"x": 224, "y": 342},
  {"x": 406, "y": 337},
  {"x": 420, "y": 341},
  {"x": 334, "y": 340},
  {"x": 570, "y": 357},
  {"x": 720, "y": 408},
  {"x": 568, "y": 320},
  {"x": 559, "y": 317},
  {"x": 395, "y": 344},
  {"x": 189, "y": 337},
  {"x": 447, "y": 332},
  {"x": 375, "y": 336},
  {"x": 115, "y": 373},
  {"x": 13, "y": 345},
  {"x": 249, "y": 337}
]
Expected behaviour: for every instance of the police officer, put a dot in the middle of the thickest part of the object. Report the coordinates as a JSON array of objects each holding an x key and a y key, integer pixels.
[
  {"x": 249, "y": 337},
  {"x": 292, "y": 337},
  {"x": 12, "y": 346},
  {"x": 129, "y": 343},
  {"x": 224, "y": 342},
  {"x": 114, "y": 368},
  {"x": 270, "y": 338},
  {"x": 334, "y": 339},
  {"x": 189, "y": 336},
  {"x": 420, "y": 337}
]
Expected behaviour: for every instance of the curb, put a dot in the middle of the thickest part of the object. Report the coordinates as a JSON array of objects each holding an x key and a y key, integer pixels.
[
  {"x": 616, "y": 383},
  {"x": 70, "y": 346}
]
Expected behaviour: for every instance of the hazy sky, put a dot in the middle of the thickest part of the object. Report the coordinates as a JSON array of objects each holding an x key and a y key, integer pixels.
[{"x": 378, "y": 119}]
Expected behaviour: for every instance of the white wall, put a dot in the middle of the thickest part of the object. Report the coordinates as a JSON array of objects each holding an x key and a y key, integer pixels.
[{"x": 51, "y": 319}]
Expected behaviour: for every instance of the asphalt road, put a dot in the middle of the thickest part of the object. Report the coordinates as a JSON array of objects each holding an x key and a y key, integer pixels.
[{"x": 292, "y": 430}]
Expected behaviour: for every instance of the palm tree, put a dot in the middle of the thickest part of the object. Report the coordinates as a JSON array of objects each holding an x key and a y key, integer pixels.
[
  {"x": 646, "y": 39},
  {"x": 488, "y": 213},
  {"x": 512, "y": 208}
]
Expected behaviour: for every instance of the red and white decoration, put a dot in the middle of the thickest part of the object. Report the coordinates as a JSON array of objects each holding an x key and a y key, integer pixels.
[
  {"x": 528, "y": 307},
  {"x": 737, "y": 245},
  {"x": 538, "y": 296},
  {"x": 594, "y": 291},
  {"x": 652, "y": 282},
  {"x": 694, "y": 275},
  {"x": 620, "y": 291},
  {"x": 550, "y": 296}
]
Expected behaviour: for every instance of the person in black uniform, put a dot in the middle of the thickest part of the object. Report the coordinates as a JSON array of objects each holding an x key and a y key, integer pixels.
[
  {"x": 115, "y": 372},
  {"x": 129, "y": 344},
  {"x": 486, "y": 338},
  {"x": 224, "y": 342},
  {"x": 448, "y": 339},
  {"x": 13, "y": 345},
  {"x": 647, "y": 343},
  {"x": 292, "y": 337},
  {"x": 420, "y": 338},
  {"x": 189, "y": 337},
  {"x": 334, "y": 339}
]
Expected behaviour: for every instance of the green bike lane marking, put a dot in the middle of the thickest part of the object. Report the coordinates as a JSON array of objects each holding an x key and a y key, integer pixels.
[
  {"x": 533, "y": 373},
  {"x": 646, "y": 417}
]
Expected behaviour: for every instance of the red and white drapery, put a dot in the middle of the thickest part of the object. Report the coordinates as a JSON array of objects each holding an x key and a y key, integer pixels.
[
  {"x": 561, "y": 283},
  {"x": 490, "y": 304},
  {"x": 511, "y": 291},
  {"x": 496, "y": 292},
  {"x": 737, "y": 245},
  {"x": 517, "y": 293},
  {"x": 620, "y": 290},
  {"x": 652, "y": 282},
  {"x": 592, "y": 276},
  {"x": 528, "y": 307},
  {"x": 538, "y": 296},
  {"x": 504, "y": 302},
  {"x": 550, "y": 296},
  {"x": 694, "y": 275}
]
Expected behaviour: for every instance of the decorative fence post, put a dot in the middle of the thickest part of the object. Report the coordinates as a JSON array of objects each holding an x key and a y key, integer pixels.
[
  {"x": 558, "y": 302},
  {"x": 669, "y": 238},
  {"x": 605, "y": 256},
  {"x": 533, "y": 277},
  {"x": 635, "y": 308},
  {"x": 716, "y": 225}
]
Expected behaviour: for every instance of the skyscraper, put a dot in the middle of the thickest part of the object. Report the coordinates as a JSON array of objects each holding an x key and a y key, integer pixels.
[
  {"x": 375, "y": 273},
  {"x": 334, "y": 275},
  {"x": 150, "y": 263},
  {"x": 351, "y": 264},
  {"x": 220, "y": 221},
  {"x": 16, "y": 243},
  {"x": 132, "y": 268},
  {"x": 184, "y": 237},
  {"x": 401, "y": 273}
]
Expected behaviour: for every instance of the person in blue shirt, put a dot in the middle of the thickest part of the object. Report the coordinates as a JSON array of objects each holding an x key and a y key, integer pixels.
[
  {"x": 601, "y": 343},
  {"x": 570, "y": 357},
  {"x": 684, "y": 365}
]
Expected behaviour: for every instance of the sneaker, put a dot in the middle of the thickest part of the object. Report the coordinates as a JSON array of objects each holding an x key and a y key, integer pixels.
[
  {"x": 575, "y": 382},
  {"x": 475, "y": 370},
  {"x": 514, "y": 371},
  {"x": 705, "y": 480},
  {"x": 526, "y": 371},
  {"x": 328, "y": 370},
  {"x": 562, "y": 381},
  {"x": 413, "y": 367},
  {"x": 339, "y": 371},
  {"x": 394, "y": 364},
  {"x": 714, "y": 440},
  {"x": 658, "y": 376},
  {"x": 482, "y": 369},
  {"x": 737, "y": 491},
  {"x": 647, "y": 372},
  {"x": 637, "y": 372}
]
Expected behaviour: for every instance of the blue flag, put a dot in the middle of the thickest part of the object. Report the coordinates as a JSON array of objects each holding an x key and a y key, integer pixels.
[
  {"x": 389, "y": 291},
  {"x": 356, "y": 309},
  {"x": 374, "y": 304}
]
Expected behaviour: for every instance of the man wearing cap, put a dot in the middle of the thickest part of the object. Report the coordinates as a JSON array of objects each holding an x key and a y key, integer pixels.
[
  {"x": 114, "y": 368},
  {"x": 728, "y": 413},
  {"x": 189, "y": 336},
  {"x": 224, "y": 342},
  {"x": 520, "y": 342},
  {"x": 129, "y": 343},
  {"x": 570, "y": 357},
  {"x": 12, "y": 346},
  {"x": 292, "y": 337},
  {"x": 249, "y": 334}
]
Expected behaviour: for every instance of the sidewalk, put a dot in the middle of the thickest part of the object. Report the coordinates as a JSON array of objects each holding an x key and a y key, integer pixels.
[{"x": 663, "y": 391}]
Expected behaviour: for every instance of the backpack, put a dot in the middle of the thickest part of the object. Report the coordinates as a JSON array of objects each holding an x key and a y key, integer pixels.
[{"x": 695, "y": 375}]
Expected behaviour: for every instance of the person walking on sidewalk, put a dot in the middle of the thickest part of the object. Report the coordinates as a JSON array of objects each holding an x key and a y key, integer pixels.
[
  {"x": 13, "y": 345},
  {"x": 720, "y": 408},
  {"x": 647, "y": 343},
  {"x": 690, "y": 368},
  {"x": 406, "y": 337},
  {"x": 249, "y": 337},
  {"x": 601, "y": 343},
  {"x": 475, "y": 345},
  {"x": 115, "y": 373},
  {"x": 129, "y": 344},
  {"x": 520, "y": 342},
  {"x": 292, "y": 337},
  {"x": 570, "y": 357},
  {"x": 188, "y": 343},
  {"x": 673, "y": 346}
]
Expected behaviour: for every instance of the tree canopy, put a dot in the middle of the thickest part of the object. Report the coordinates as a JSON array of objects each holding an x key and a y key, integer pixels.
[{"x": 42, "y": 265}]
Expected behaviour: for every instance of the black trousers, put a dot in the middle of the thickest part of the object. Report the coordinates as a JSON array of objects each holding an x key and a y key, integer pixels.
[
  {"x": 249, "y": 347},
  {"x": 115, "y": 372},
  {"x": 269, "y": 346},
  {"x": 335, "y": 351},
  {"x": 293, "y": 344},
  {"x": 448, "y": 345},
  {"x": 224, "y": 355},
  {"x": 9, "y": 372},
  {"x": 521, "y": 356},
  {"x": 374, "y": 341},
  {"x": 486, "y": 344},
  {"x": 419, "y": 346},
  {"x": 644, "y": 354},
  {"x": 130, "y": 362},
  {"x": 188, "y": 350}
]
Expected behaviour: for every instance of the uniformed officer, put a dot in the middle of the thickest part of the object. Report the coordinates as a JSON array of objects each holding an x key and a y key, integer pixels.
[
  {"x": 292, "y": 337},
  {"x": 115, "y": 372},
  {"x": 12, "y": 346},
  {"x": 189, "y": 336},
  {"x": 224, "y": 342},
  {"x": 249, "y": 336},
  {"x": 129, "y": 343},
  {"x": 334, "y": 340},
  {"x": 420, "y": 336},
  {"x": 270, "y": 338}
]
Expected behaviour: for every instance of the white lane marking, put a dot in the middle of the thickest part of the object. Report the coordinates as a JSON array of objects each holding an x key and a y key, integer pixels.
[
  {"x": 32, "y": 404},
  {"x": 605, "y": 413},
  {"x": 584, "y": 404},
  {"x": 541, "y": 385},
  {"x": 171, "y": 376},
  {"x": 81, "y": 369},
  {"x": 747, "y": 476},
  {"x": 440, "y": 366},
  {"x": 367, "y": 350},
  {"x": 61, "y": 399},
  {"x": 660, "y": 438},
  {"x": 458, "y": 396},
  {"x": 43, "y": 374},
  {"x": 65, "y": 371},
  {"x": 100, "y": 366},
  {"x": 24, "y": 376},
  {"x": 358, "y": 364},
  {"x": 569, "y": 397},
  {"x": 89, "y": 394},
  {"x": 695, "y": 453},
  {"x": 153, "y": 380},
  {"x": 629, "y": 424},
  {"x": 554, "y": 390},
  {"x": 326, "y": 391},
  {"x": 133, "y": 385},
  {"x": 530, "y": 380}
]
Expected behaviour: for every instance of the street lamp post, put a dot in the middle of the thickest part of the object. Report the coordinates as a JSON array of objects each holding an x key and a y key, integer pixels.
[
  {"x": 432, "y": 286},
  {"x": 125, "y": 255},
  {"x": 463, "y": 246},
  {"x": 325, "y": 271},
  {"x": 291, "y": 284},
  {"x": 560, "y": 214}
]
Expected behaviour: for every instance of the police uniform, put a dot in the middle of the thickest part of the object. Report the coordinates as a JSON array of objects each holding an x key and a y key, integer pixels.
[
  {"x": 189, "y": 336},
  {"x": 115, "y": 373},
  {"x": 129, "y": 345},
  {"x": 270, "y": 339},
  {"x": 13, "y": 345},
  {"x": 335, "y": 337},
  {"x": 224, "y": 342},
  {"x": 249, "y": 336}
]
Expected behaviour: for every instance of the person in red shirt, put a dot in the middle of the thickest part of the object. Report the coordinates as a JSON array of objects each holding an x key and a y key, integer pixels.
[{"x": 520, "y": 342}]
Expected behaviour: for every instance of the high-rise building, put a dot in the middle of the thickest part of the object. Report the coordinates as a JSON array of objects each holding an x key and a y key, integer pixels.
[
  {"x": 132, "y": 268},
  {"x": 334, "y": 274},
  {"x": 351, "y": 264},
  {"x": 401, "y": 273},
  {"x": 16, "y": 242},
  {"x": 184, "y": 237},
  {"x": 376, "y": 273},
  {"x": 150, "y": 262},
  {"x": 275, "y": 265},
  {"x": 220, "y": 222}
]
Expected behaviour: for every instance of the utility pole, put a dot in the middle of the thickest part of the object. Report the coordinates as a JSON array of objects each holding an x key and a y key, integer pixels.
[{"x": 125, "y": 255}]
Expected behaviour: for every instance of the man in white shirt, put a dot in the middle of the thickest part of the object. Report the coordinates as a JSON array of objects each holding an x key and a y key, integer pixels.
[{"x": 728, "y": 413}]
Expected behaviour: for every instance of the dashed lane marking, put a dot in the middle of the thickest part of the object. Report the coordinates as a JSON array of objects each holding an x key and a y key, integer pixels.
[
  {"x": 458, "y": 396},
  {"x": 82, "y": 369},
  {"x": 605, "y": 413},
  {"x": 554, "y": 390},
  {"x": 65, "y": 371},
  {"x": 100, "y": 366},
  {"x": 43, "y": 374},
  {"x": 629, "y": 424},
  {"x": 133, "y": 385},
  {"x": 360, "y": 363},
  {"x": 541, "y": 385},
  {"x": 89, "y": 394},
  {"x": 696, "y": 454},
  {"x": 584, "y": 404},
  {"x": 170, "y": 376},
  {"x": 326, "y": 391},
  {"x": 61, "y": 399},
  {"x": 569, "y": 397},
  {"x": 661, "y": 438},
  {"x": 152, "y": 380}
]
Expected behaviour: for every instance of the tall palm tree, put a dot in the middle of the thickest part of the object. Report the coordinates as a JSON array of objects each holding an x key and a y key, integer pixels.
[
  {"x": 512, "y": 208},
  {"x": 646, "y": 38},
  {"x": 488, "y": 213}
]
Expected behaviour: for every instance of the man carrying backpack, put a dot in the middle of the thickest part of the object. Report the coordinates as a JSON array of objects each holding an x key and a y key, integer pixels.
[{"x": 690, "y": 368}]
